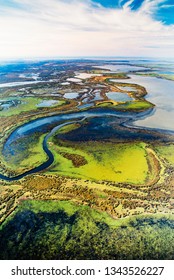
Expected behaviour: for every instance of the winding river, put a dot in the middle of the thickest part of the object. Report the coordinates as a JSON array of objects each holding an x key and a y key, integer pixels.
[
  {"x": 57, "y": 122},
  {"x": 160, "y": 92}
]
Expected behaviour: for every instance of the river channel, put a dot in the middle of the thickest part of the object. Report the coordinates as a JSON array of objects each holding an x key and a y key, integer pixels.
[
  {"x": 50, "y": 125},
  {"x": 160, "y": 93}
]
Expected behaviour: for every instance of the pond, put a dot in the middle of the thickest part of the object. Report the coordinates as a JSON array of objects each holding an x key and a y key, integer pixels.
[
  {"x": 118, "y": 96},
  {"x": 71, "y": 95},
  {"x": 15, "y": 84},
  {"x": 6, "y": 104},
  {"x": 126, "y": 88},
  {"x": 97, "y": 94},
  {"x": 86, "y": 75},
  {"x": 87, "y": 105},
  {"x": 73, "y": 80},
  {"x": 48, "y": 103}
]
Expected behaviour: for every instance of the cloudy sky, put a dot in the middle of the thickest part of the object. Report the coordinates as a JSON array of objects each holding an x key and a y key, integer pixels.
[{"x": 56, "y": 28}]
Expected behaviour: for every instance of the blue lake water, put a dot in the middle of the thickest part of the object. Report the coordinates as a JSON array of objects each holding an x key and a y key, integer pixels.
[
  {"x": 71, "y": 95},
  {"x": 121, "y": 68},
  {"x": 47, "y": 103},
  {"x": 118, "y": 96},
  {"x": 160, "y": 93},
  {"x": 15, "y": 84},
  {"x": 6, "y": 104},
  {"x": 87, "y": 105},
  {"x": 97, "y": 95}
]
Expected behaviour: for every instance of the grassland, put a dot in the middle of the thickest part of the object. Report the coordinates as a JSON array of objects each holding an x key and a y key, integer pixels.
[
  {"x": 102, "y": 161},
  {"x": 136, "y": 106},
  {"x": 30, "y": 154},
  {"x": 157, "y": 75},
  {"x": 27, "y": 104},
  {"x": 166, "y": 152},
  {"x": 36, "y": 155}
]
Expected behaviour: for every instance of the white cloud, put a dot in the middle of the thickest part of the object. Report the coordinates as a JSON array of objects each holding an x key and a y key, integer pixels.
[
  {"x": 53, "y": 28},
  {"x": 149, "y": 6},
  {"x": 128, "y": 4},
  {"x": 166, "y": 6}
]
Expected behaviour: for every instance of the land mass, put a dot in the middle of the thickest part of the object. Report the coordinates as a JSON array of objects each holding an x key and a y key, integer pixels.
[{"x": 107, "y": 177}]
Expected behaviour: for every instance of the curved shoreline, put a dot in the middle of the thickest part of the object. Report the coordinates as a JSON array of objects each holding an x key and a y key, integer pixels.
[
  {"x": 44, "y": 165},
  {"x": 129, "y": 118}
]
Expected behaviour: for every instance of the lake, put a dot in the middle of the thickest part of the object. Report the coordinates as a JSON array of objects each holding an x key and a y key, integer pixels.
[
  {"x": 47, "y": 103},
  {"x": 71, "y": 95},
  {"x": 121, "y": 68},
  {"x": 118, "y": 96},
  {"x": 15, "y": 84},
  {"x": 160, "y": 93}
]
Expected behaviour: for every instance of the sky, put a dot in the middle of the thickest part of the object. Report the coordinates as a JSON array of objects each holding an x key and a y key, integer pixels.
[{"x": 85, "y": 28}]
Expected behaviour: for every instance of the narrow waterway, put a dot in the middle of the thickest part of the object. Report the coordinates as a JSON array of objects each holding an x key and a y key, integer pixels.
[{"x": 57, "y": 122}]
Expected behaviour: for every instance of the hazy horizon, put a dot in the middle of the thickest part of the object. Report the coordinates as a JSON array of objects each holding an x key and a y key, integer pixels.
[{"x": 119, "y": 58}]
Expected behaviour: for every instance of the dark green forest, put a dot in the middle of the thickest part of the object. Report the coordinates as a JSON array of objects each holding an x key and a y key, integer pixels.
[{"x": 79, "y": 233}]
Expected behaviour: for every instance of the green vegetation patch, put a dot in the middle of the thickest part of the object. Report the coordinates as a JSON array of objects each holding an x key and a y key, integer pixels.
[
  {"x": 137, "y": 105},
  {"x": 157, "y": 75},
  {"x": 36, "y": 155},
  {"x": 67, "y": 128},
  {"x": 27, "y": 104},
  {"x": 62, "y": 230},
  {"x": 166, "y": 152},
  {"x": 104, "y": 161},
  {"x": 29, "y": 154},
  {"x": 116, "y": 76}
]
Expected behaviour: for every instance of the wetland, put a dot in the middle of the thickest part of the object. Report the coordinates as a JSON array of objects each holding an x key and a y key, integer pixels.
[{"x": 86, "y": 148}]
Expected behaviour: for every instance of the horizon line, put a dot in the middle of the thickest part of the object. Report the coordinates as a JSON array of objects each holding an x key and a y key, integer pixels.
[{"x": 17, "y": 59}]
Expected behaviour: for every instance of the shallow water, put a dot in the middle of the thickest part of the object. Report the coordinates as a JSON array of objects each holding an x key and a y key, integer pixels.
[
  {"x": 97, "y": 95},
  {"x": 118, "y": 96},
  {"x": 43, "y": 124},
  {"x": 87, "y": 105},
  {"x": 126, "y": 88},
  {"x": 73, "y": 80},
  {"x": 86, "y": 75},
  {"x": 160, "y": 93},
  {"x": 15, "y": 84},
  {"x": 47, "y": 103},
  {"x": 34, "y": 76},
  {"x": 6, "y": 104},
  {"x": 71, "y": 95},
  {"x": 121, "y": 68},
  {"x": 51, "y": 124},
  {"x": 65, "y": 84}
]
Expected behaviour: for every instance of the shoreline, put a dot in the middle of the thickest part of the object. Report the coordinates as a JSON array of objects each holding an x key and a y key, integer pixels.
[{"x": 126, "y": 122}]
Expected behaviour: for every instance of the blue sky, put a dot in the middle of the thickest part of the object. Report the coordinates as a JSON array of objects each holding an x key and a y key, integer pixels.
[
  {"x": 164, "y": 11},
  {"x": 54, "y": 28}
]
